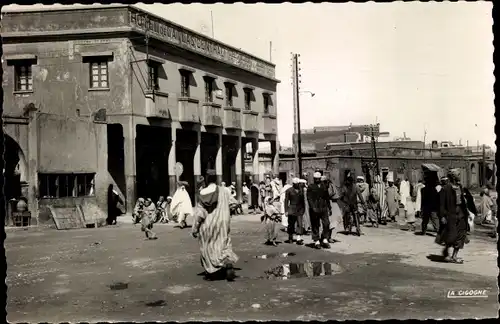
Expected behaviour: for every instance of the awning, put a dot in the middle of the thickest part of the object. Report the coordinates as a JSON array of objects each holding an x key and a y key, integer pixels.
[{"x": 431, "y": 167}]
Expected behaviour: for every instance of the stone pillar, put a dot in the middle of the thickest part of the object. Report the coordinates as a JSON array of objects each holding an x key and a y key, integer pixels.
[
  {"x": 129, "y": 135},
  {"x": 256, "y": 178},
  {"x": 275, "y": 158},
  {"x": 218, "y": 159},
  {"x": 33, "y": 167},
  {"x": 101, "y": 181},
  {"x": 197, "y": 164},
  {"x": 172, "y": 160},
  {"x": 239, "y": 169}
]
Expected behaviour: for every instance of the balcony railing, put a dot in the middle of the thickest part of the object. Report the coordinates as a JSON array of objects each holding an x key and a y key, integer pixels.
[
  {"x": 157, "y": 105},
  {"x": 211, "y": 114},
  {"x": 232, "y": 118},
  {"x": 270, "y": 124},
  {"x": 189, "y": 111},
  {"x": 250, "y": 121}
]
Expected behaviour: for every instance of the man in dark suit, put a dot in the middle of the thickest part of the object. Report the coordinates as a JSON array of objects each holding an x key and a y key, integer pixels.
[
  {"x": 295, "y": 206},
  {"x": 319, "y": 201}
]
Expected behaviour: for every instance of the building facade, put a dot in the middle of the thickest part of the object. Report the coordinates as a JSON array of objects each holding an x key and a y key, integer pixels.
[{"x": 116, "y": 96}]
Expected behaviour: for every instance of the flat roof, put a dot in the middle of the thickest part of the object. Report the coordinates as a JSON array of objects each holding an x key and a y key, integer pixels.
[{"x": 75, "y": 7}]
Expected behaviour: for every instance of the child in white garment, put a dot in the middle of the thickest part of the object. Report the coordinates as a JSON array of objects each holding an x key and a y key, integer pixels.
[{"x": 410, "y": 212}]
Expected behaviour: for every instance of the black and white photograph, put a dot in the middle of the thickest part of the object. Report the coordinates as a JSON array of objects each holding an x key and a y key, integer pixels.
[{"x": 241, "y": 162}]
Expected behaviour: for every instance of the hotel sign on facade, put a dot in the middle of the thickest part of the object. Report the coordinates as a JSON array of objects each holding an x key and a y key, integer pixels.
[{"x": 181, "y": 37}]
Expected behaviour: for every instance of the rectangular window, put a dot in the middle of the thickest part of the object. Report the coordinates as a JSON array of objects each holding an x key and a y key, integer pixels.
[
  {"x": 185, "y": 76},
  {"x": 23, "y": 76},
  {"x": 266, "y": 103},
  {"x": 99, "y": 74},
  {"x": 209, "y": 89},
  {"x": 229, "y": 94},
  {"x": 248, "y": 99},
  {"x": 66, "y": 185},
  {"x": 153, "y": 76}
]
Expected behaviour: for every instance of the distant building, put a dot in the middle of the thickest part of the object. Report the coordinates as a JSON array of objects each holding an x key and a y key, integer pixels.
[{"x": 319, "y": 137}]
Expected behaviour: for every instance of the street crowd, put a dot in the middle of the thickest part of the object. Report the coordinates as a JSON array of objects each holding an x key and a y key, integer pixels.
[{"x": 318, "y": 208}]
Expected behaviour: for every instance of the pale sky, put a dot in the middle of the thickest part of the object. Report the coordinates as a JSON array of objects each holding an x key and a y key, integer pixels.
[{"x": 410, "y": 66}]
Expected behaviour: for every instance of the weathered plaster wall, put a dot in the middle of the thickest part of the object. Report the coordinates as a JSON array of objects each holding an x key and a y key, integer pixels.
[
  {"x": 61, "y": 79},
  {"x": 170, "y": 80}
]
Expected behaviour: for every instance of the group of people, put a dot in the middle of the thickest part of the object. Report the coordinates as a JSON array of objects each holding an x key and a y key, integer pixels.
[{"x": 177, "y": 208}]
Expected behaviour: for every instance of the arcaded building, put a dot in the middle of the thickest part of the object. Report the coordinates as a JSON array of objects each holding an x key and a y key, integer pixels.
[{"x": 113, "y": 95}]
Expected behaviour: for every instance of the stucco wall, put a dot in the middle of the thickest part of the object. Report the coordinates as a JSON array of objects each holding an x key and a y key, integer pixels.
[
  {"x": 170, "y": 81},
  {"x": 66, "y": 145},
  {"x": 404, "y": 167},
  {"x": 61, "y": 79}
]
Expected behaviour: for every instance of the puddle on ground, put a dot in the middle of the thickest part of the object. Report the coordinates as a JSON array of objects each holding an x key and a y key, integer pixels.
[
  {"x": 157, "y": 303},
  {"x": 118, "y": 286},
  {"x": 275, "y": 255},
  {"x": 303, "y": 270}
]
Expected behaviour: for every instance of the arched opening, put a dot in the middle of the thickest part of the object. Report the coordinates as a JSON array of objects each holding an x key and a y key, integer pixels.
[{"x": 15, "y": 170}]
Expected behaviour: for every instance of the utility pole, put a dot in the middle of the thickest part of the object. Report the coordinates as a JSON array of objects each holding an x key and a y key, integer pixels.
[
  {"x": 484, "y": 165},
  {"x": 375, "y": 148},
  {"x": 296, "y": 114},
  {"x": 212, "y": 19},
  {"x": 425, "y": 136}
]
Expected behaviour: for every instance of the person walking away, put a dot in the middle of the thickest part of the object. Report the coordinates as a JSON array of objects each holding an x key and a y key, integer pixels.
[
  {"x": 486, "y": 207},
  {"x": 147, "y": 220},
  {"x": 349, "y": 198},
  {"x": 453, "y": 212},
  {"x": 306, "y": 220},
  {"x": 295, "y": 206},
  {"x": 263, "y": 194},
  {"x": 364, "y": 189},
  {"x": 284, "y": 220},
  {"x": 430, "y": 204},
  {"x": 392, "y": 199},
  {"x": 372, "y": 209},
  {"x": 318, "y": 199},
  {"x": 271, "y": 219},
  {"x": 418, "y": 194},
  {"x": 181, "y": 206},
  {"x": 137, "y": 212},
  {"x": 335, "y": 212},
  {"x": 115, "y": 205},
  {"x": 212, "y": 224},
  {"x": 379, "y": 193}
]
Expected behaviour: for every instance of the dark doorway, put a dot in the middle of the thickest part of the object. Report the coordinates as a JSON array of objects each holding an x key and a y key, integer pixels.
[
  {"x": 283, "y": 176},
  {"x": 208, "y": 152},
  {"x": 12, "y": 176},
  {"x": 152, "y": 149},
  {"x": 185, "y": 149},
  {"x": 229, "y": 152},
  {"x": 116, "y": 155}
]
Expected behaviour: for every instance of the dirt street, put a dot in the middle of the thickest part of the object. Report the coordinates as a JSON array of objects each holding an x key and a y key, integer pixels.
[{"x": 113, "y": 274}]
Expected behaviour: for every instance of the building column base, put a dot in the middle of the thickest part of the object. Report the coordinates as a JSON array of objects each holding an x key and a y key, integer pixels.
[
  {"x": 239, "y": 187},
  {"x": 219, "y": 179}
]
